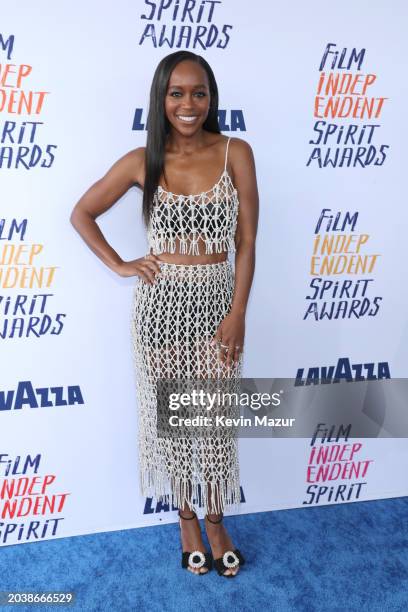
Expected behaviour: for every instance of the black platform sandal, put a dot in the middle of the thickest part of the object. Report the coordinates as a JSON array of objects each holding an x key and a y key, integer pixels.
[
  {"x": 195, "y": 559},
  {"x": 229, "y": 560}
]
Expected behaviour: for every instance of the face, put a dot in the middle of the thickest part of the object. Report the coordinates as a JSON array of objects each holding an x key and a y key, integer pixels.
[{"x": 188, "y": 97}]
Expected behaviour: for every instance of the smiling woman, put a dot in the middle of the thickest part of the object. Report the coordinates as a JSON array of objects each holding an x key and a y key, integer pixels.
[{"x": 200, "y": 202}]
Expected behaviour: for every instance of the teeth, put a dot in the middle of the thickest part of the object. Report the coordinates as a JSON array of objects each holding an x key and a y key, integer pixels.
[{"x": 186, "y": 118}]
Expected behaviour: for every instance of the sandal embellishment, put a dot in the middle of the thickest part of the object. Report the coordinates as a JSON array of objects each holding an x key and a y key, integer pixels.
[
  {"x": 230, "y": 559},
  {"x": 196, "y": 559}
]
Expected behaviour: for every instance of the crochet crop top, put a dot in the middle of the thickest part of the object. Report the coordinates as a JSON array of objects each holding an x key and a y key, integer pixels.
[{"x": 210, "y": 216}]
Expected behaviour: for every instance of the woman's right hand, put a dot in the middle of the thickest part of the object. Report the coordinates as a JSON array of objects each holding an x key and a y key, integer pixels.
[{"x": 145, "y": 267}]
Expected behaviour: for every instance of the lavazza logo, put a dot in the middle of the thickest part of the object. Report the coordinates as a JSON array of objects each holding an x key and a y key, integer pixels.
[
  {"x": 343, "y": 370},
  {"x": 26, "y": 395}
]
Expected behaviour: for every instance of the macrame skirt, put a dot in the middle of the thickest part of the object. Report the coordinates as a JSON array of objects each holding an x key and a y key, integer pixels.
[{"x": 172, "y": 323}]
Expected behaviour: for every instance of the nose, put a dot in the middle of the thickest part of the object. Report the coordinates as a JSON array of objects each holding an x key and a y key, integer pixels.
[{"x": 189, "y": 101}]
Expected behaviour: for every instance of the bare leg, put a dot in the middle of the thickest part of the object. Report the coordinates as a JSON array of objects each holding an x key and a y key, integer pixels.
[
  {"x": 218, "y": 536},
  {"x": 191, "y": 536}
]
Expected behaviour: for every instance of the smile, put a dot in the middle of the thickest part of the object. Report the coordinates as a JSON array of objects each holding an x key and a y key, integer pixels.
[{"x": 187, "y": 118}]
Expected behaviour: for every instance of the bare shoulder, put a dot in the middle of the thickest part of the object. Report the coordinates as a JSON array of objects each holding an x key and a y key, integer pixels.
[
  {"x": 241, "y": 158},
  {"x": 133, "y": 163},
  {"x": 240, "y": 149}
]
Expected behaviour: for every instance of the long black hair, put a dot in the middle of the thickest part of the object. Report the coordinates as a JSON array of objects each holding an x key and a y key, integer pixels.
[{"x": 158, "y": 126}]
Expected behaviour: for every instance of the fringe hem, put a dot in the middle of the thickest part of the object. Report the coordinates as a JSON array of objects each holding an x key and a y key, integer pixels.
[
  {"x": 174, "y": 491},
  {"x": 190, "y": 245}
]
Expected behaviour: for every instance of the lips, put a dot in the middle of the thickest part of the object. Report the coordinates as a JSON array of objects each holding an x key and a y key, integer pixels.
[{"x": 187, "y": 118}]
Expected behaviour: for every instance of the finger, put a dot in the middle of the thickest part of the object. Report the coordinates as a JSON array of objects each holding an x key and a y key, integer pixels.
[
  {"x": 230, "y": 353},
  {"x": 225, "y": 351},
  {"x": 144, "y": 277},
  {"x": 152, "y": 262},
  {"x": 222, "y": 352},
  {"x": 151, "y": 265},
  {"x": 155, "y": 262},
  {"x": 237, "y": 352},
  {"x": 149, "y": 278},
  {"x": 150, "y": 273},
  {"x": 216, "y": 339}
]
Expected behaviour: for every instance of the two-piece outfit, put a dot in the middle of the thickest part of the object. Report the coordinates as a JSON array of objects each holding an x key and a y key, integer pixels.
[{"x": 173, "y": 321}]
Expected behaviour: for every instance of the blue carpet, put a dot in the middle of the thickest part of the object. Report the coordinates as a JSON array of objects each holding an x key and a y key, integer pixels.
[{"x": 331, "y": 558}]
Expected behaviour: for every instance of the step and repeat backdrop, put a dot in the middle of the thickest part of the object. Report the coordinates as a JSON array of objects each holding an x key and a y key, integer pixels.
[{"x": 321, "y": 99}]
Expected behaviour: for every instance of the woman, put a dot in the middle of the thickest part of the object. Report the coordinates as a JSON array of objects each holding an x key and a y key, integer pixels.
[{"x": 200, "y": 201}]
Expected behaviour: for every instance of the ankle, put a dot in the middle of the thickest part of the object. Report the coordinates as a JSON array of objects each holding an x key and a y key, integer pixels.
[
  {"x": 187, "y": 514},
  {"x": 214, "y": 518}
]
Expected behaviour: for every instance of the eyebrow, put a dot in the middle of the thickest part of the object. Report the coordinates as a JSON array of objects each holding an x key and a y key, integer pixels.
[{"x": 194, "y": 86}]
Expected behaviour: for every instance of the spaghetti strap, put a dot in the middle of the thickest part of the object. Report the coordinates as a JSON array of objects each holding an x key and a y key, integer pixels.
[{"x": 226, "y": 154}]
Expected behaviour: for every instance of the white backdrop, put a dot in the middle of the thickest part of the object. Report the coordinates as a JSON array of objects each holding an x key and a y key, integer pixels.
[{"x": 67, "y": 392}]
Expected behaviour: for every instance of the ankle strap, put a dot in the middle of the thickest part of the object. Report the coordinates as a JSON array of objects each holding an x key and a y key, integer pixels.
[
  {"x": 187, "y": 518},
  {"x": 216, "y": 521}
]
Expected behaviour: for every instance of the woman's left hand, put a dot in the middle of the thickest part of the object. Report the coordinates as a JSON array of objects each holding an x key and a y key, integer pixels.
[{"x": 230, "y": 338}]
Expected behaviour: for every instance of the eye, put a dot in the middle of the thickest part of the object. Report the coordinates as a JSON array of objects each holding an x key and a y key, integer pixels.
[{"x": 199, "y": 94}]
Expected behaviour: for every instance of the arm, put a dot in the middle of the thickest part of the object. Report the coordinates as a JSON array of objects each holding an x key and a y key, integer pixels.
[
  {"x": 102, "y": 195},
  {"x": 232, "y": 329},
  {"x": 245, "y": 181}
]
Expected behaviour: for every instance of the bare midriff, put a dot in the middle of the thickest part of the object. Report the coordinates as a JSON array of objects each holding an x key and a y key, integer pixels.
[{"x": 202, "y": 258}]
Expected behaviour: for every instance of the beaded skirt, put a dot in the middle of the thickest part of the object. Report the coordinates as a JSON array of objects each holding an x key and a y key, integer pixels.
[{"x": 172, "y": 324}]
